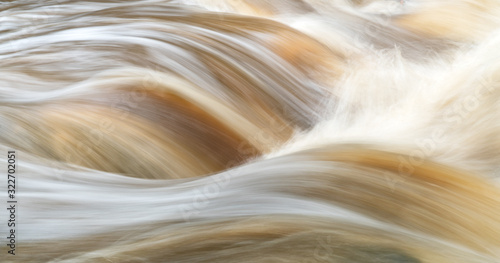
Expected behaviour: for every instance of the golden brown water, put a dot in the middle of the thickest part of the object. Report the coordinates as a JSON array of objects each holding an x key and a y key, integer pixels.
[{"x": 252, "y": 131}]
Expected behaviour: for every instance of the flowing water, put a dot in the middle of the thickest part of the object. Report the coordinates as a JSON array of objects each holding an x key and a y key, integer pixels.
[{"x": 251, "y": 130}]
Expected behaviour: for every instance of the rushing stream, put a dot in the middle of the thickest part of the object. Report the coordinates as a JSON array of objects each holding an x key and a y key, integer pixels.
[{"x": 247, "y": 131}]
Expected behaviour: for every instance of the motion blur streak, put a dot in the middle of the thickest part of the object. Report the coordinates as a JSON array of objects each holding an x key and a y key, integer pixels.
[{"x": 253, "y": 130}]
